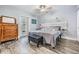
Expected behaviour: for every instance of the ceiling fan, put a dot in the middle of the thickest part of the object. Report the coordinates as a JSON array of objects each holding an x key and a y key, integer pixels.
[{"x": 43, "y": 8}]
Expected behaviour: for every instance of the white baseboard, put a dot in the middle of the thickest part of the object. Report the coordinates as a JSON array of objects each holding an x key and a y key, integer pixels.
[
  {"x": 70, "y": 38},
  {"x": 78, "y": 39}
]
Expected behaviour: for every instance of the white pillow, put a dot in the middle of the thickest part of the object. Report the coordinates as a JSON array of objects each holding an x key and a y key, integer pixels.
[{"x": 53, "y": 30}]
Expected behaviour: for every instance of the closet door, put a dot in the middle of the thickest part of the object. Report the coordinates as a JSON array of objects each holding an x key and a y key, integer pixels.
[{"x": 24, "y": 25}]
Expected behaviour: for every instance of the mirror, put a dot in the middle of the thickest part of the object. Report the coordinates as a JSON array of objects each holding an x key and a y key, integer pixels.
[{"x": 8, "y": 20}]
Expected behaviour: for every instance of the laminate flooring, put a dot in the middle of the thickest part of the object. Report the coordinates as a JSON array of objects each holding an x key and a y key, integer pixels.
[{"x": 21, "y": 46}]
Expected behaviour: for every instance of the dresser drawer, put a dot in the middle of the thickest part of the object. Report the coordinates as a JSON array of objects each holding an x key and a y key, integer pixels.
[
  {"x": 9, "y": 32},
  {"x": 9, "y": 27},
  {"x": 0, "y": 26},
  {"x": 9, "y": 36},
  {"x": 0, "y": 31}
]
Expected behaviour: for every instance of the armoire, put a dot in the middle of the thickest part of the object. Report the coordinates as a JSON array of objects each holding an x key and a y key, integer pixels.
[{"x": 8, "y": 29}]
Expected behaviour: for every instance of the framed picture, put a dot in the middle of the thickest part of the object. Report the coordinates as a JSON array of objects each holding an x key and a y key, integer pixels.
[{"x": 33, "y": 21}]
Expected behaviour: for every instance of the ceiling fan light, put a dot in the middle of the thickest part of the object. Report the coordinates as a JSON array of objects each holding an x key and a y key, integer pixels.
[
  {"x": 42, "y": 6},
  {"x": 42, "y": 10}
]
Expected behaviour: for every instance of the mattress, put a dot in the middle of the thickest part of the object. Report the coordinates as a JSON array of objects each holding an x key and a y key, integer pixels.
[{"x": 49, "y": 37}]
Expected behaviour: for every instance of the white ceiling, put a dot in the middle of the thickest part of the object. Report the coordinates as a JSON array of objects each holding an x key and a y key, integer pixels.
[
  {"x": 28, "y": 9},
  {"x": 31, "y": 8}
]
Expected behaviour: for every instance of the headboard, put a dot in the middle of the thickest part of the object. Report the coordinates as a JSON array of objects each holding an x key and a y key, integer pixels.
[{"x": 62, "y": 25}]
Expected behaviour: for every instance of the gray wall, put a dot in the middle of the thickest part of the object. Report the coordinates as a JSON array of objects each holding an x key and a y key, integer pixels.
[
  {"x": 32, "y": 27},
  {"x": 78, "y": 24},
  {"x": 69, "y": 13},
  {"x": 14, "y": 12}
]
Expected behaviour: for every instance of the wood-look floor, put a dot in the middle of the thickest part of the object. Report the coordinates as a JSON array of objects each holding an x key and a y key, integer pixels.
[{"x": 22, "y": 46}]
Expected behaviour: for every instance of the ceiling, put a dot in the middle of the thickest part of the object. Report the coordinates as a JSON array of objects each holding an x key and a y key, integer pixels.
[{"x": 31, "y": 9}]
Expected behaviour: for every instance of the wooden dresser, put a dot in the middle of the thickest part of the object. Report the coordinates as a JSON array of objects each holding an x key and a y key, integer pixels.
[{"x": 8, "y": 28}]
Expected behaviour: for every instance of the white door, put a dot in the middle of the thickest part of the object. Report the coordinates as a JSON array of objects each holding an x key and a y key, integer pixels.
[{"x": 24, "y": 26}]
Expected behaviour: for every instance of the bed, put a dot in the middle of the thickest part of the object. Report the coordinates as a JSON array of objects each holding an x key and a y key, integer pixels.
[{"x": 50, "y": 34}]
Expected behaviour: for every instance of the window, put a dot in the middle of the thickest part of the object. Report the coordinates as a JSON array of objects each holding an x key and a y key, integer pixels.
[{"x": 33, "y": 21}]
